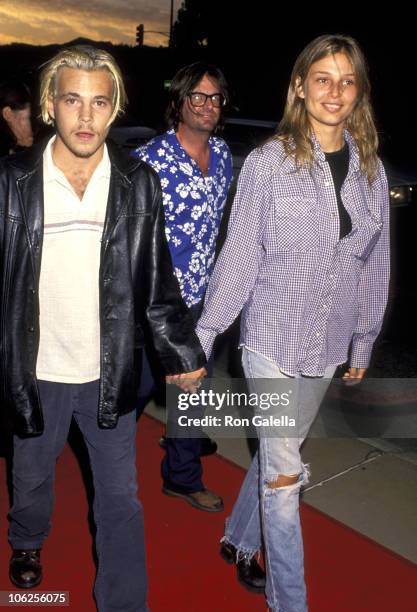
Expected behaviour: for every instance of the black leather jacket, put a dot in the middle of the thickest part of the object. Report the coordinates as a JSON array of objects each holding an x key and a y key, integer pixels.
[{"x": 139, "y": 295}]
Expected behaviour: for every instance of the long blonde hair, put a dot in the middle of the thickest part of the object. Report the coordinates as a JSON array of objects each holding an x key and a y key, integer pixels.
[
  {"x": 81, "y": 57},
  {"x": 294, "y": 130}
]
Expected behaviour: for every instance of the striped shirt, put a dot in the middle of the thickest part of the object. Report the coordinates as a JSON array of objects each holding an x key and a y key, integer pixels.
[
  {"x": 69, "y": 349},
  {"x": 307, "y": 297}
]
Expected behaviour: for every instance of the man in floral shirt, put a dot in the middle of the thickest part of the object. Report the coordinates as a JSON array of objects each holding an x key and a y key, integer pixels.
[{"x": 195, "y": 169}]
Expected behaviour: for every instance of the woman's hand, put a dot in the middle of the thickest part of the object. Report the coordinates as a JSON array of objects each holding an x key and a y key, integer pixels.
[
  {"x": 353, "y": 376},
  {"x": 189, "y": 381}
]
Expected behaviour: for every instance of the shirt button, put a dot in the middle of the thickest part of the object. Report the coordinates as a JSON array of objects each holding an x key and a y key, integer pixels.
[
  {"x": 326, "y": 183},
  {"x": 318, "y": 334},
  {"x": 331, "y": 276},
  {"x": 31, "y": 329},
  {"x": 333, "y": 214}
]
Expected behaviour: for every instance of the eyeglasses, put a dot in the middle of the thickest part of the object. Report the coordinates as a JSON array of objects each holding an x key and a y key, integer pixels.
[{"x": 198, "y": 98}]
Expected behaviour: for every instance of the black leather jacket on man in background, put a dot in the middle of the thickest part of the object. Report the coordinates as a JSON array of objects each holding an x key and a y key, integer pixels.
[{"x": 139, "y": 295}]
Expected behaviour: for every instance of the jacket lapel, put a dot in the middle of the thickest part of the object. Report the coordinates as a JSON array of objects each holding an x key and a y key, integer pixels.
[
  {"x": 30, "y": 190},
  {"x": 117, "y": 202},
  {"x": 119, "y": 189}
]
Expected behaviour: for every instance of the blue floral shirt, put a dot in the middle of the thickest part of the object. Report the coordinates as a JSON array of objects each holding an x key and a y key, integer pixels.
[{"x": 193, "y": 205}]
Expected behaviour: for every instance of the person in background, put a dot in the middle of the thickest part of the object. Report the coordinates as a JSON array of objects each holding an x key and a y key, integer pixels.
[
  {"x": 16, "y": 133},
  {"x": 86, "y": 275},
  {"x": 307, "y": 259},
  {"x": 195, "y": 169}
]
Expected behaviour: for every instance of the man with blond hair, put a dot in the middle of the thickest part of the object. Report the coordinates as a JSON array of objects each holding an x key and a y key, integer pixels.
[{"x": 85, "y": 276}]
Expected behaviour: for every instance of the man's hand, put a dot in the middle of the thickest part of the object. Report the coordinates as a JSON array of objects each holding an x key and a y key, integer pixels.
[
  {"x": 353, "y": 376},
  {"x": 189, "y": 381}
]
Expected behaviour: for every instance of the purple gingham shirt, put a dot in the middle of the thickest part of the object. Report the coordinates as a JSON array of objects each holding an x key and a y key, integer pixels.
[{"x": 306, "y": 295}]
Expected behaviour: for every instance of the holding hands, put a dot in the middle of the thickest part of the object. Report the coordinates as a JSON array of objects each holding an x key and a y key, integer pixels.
[
  {"x": 353, "y": 376},
  {"x": 188, "y": 381}
]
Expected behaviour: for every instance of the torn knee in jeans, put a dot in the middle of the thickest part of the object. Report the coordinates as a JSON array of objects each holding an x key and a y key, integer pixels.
[
  {"x": 288, "y": 480},
  {"x": 283, "y": 481}
]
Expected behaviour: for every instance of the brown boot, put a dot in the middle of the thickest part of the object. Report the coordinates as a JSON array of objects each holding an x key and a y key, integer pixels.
[{"x": 203, "y": 500}]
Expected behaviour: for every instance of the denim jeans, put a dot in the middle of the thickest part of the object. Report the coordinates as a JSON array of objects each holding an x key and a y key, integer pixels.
[
  {"x": 268, "y": 515},
  {"x": 181, "y": 467},
  {"x": 121, "y": 583}
]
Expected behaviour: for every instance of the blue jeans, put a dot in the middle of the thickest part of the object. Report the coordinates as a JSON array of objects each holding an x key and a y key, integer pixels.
[
  {"x": 121, "y": 583},
  {"x": 271, "y": 515}
]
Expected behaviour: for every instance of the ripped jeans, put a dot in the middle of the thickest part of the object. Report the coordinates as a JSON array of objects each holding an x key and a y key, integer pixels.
[{"x": 269, "y": 515}]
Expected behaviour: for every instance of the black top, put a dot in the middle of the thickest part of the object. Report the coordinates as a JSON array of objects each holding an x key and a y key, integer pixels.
[{"x": 339, "y": 164}]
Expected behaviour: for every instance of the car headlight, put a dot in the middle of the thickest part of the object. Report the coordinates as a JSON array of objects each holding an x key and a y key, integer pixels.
[{"x": 401, "y": 195}]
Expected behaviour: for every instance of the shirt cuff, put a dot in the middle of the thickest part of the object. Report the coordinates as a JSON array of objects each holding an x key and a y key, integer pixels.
[
  {"x": 361, "y": 353},
  {"x": 207, "y": 338}
]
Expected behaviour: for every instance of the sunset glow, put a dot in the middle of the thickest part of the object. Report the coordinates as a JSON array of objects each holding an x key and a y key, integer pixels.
[{"x": 41, "y": 22}]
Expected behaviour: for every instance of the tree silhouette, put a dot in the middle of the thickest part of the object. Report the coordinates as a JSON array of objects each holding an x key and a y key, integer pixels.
[{"x": 192, "y": 26}]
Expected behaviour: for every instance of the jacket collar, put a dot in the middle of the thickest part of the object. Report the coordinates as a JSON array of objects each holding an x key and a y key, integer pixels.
[
  {"x": 30, "y": 160},
  {"x": 121, "y": 161},
  {"x": 30, "y": 184}
]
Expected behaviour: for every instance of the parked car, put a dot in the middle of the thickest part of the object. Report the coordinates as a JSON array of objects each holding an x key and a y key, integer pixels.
[
  {"x": 244, "y": 135},
  {"x": 130, "y": 137},
  {"x": 403, "y": 185}
]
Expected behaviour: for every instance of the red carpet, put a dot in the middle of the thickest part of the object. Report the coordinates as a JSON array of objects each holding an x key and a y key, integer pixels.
[{"x": 345, "y": 572}]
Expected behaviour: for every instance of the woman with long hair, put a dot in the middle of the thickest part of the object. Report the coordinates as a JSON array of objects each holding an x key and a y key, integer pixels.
[{"x": 307, "y": 259}]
